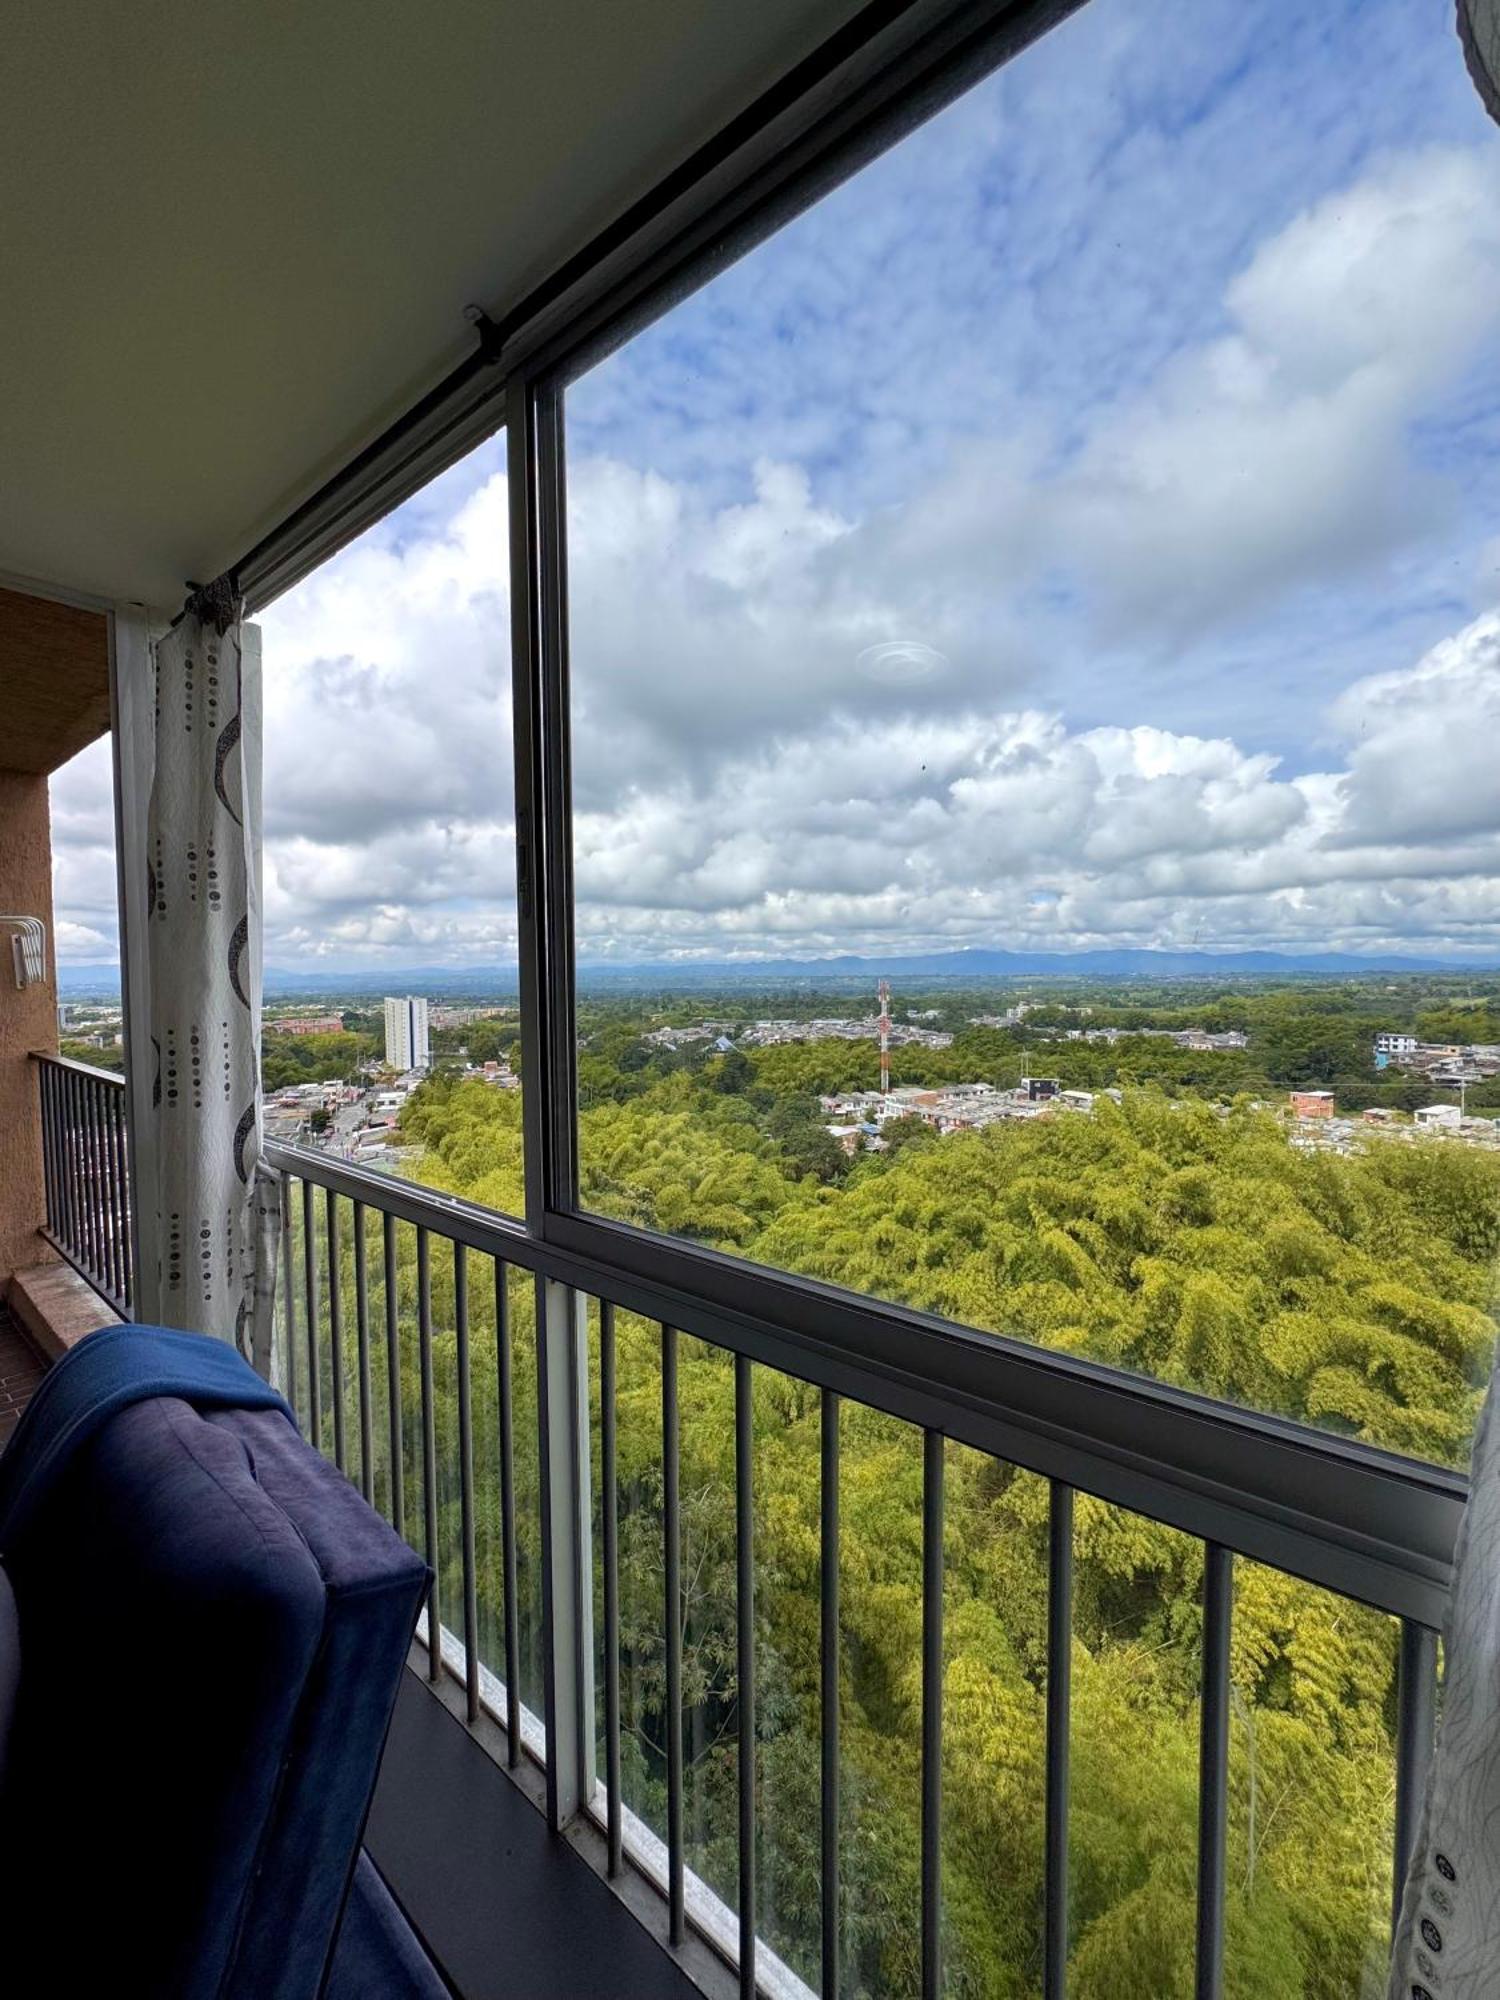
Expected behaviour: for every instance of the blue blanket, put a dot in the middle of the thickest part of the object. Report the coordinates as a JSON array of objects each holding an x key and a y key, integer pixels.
[{"x": 106, "y": 1372}]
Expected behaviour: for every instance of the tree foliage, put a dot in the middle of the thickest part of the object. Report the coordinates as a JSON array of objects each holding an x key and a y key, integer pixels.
[{"x": 1165, "y": 1234}]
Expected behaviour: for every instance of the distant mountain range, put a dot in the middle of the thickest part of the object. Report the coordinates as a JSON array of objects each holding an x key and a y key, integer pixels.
[
  {"x": 1128, "y": 963},
  {"x": 959, "y": 966}
]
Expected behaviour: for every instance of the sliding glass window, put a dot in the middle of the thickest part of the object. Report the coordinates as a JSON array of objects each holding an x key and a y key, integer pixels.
[
  {"x": 1033, "y": 643},
  {"x": 392, "y": 1023},
  {"x": 1032, "y": 633}
]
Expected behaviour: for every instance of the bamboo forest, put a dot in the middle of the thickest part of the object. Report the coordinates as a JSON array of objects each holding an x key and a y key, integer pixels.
[{"x": 1177, "y": 1229}]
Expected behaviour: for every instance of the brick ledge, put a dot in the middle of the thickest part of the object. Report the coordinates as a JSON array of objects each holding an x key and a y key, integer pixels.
[{"x": 56, "y": 1307}]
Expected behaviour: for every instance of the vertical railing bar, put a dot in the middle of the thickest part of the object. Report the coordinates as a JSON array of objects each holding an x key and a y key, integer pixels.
[
  {"x": 85, "y": 1191},
  {"x": 1059, "y": 1725},
  {"x": 127, "y": 1233},
  {"x": 310, "y": 1307},
  {"x": 61, "y": 1121},
  {"x": 362, "y": 1354},
  {"x": 127, "y": 1264},
  {"x": 59, "y": 1152},
  {"x": 744, "y": 1535},
  {"x": 1416, "y": 1722},
  {"x": 828, "y": 1563},
  {"x": 41, "y": 1112},
  {"x": 429, "y": 1454},
  {"x": 70, "y": 1163},
  {"x": 335, "y": 1323},
  {"x": 98, "y": 1114},
  {"x": 111, "y": 1201},
  {"x": 508, "y": 1516},
  {"x": 466, "y": 1476},
  {"x": 393, "y": 1373},
  {"x": 60, "y": 1084},
  {"x": 108, "y": 1203},
  {"x": 610, "y": 1508},
  {"x": 108, "y": 1197},
  {"x": 109, "y": 1268},
  {"x": 114, "y": 1191},
  {"x": 64, "y": 1189},
  {"x": 80, "y": 1180},
  {"x": 49, "y": 1142},
  {"x": 94, "y": 1180},
  {"x": 81, "y": 1151},
  {"x": 672, "y": 1553},
  {"x": 288, "y": 1296},
  {"x": 1213, "y": 1769},
  {"x": 566, "y": 1548},
  {"x": 85, "y": 1174},
  {"x": 932, "y": 1713}
]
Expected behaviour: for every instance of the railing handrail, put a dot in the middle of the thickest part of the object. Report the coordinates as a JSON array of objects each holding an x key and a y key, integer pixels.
[
  {"x": 78, "y": 1068},
  {"x": 1359, "y": 1520},
  {"x": 86, "y": 1172}
]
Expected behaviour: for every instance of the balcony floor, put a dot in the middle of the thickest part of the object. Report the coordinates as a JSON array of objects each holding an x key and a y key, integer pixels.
[
  {"x": 21, "y": 1369},
  {"x": 502, "y": 1906}
]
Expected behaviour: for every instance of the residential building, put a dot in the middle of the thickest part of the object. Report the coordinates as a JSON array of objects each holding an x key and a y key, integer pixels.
[
  {"x": 1038, "y": 1089},
  {"x": 408, "y": 1043},
  {"x": 1311, "y": 1103},
  {"x": 1439, "y": 1117}
]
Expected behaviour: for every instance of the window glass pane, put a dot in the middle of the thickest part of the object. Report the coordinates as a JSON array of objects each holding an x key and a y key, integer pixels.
[
  {"x": 1057, "y": 577},
  {"x": 391, "y": 1009}
]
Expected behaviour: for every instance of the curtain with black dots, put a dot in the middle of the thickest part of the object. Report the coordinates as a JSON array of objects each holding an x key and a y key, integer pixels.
[
  {"x": 217, "y": 1207},
  {"x": 1447, "y": 1944}
]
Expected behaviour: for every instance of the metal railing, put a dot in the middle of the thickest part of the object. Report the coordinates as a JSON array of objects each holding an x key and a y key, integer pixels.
[
  {"x": 86, "y": 1174},
  {"x": 577, "y": 1303}
]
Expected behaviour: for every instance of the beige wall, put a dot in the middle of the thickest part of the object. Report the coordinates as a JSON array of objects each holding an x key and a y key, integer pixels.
[{"x": 27, "y": 1020}]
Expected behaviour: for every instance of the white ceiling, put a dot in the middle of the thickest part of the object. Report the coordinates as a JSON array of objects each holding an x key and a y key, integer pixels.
[{"x": 236, "y": 240}]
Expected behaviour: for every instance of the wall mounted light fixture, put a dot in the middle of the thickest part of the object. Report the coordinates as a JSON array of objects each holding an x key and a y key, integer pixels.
[{"x": 29, "y": 949}]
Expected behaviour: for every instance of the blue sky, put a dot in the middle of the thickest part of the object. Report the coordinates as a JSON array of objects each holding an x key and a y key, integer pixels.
[
  {"x": 1037, "y": 257},
  {"x": 1082, "y": 527}
]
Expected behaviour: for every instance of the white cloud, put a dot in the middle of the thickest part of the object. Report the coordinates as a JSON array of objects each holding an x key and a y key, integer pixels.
[
  {"x": 1079, "y": 590},
  {"x": 84, "y": 879},
  {"x": 78, "y": 941},
  {"x": 1281, "y": 453},
  {"x": 1422, "y": 760}
]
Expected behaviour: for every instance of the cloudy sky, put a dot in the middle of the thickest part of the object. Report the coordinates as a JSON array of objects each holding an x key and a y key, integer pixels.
[{"x": 1081, "y": 529}]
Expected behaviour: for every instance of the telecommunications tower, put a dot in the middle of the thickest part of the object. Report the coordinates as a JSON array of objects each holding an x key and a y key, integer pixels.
[{"x": 884, "y": 992}]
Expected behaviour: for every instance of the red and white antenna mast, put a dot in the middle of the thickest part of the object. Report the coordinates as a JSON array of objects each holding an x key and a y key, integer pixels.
[{"x": 884, "y": 991}]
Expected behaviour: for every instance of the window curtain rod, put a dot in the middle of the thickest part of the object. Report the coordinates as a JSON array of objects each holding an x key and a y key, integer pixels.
[{"x": 411, "y": 423}]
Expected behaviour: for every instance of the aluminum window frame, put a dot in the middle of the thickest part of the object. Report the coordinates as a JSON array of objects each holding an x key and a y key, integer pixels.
[
  {"x": 1367, "y": 1523},
  {"x": 1370, "y": 1524}
]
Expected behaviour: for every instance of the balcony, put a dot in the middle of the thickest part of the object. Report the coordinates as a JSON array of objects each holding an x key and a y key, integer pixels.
[
  {"x": 785, "y": 1637},
  {"x": 579, "y": 1732},
  {"x": 54, "y": 701}
]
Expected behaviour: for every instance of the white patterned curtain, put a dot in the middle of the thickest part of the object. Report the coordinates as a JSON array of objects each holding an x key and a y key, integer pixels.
[
  {"x": 1448, "y": 1937},
  {"x": 216, "y": 1206}
]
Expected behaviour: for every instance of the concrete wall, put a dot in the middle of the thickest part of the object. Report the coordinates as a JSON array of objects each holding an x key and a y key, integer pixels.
[{"x": 27, "y": 1020}]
